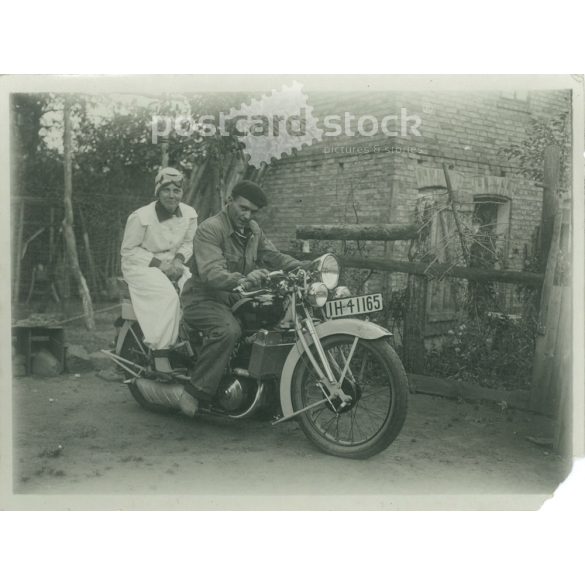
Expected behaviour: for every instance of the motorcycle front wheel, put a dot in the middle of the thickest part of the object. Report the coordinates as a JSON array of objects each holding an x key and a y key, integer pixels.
[{"x": 377, "y": 384}]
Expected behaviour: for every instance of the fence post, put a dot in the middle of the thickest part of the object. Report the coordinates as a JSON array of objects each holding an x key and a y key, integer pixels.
[
  {"x": 549, "y": 234},
  {"x": 414, "y": 324},
  {"x": 552, "y": 163},
  {"x": 416, "y": 305},
  {"x": 17, "y": 255}
]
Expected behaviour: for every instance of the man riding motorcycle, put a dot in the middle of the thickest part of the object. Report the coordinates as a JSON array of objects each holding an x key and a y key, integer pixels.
[
  {"x": 307, "y": 355},
  {"x": 229, "y": 250}
]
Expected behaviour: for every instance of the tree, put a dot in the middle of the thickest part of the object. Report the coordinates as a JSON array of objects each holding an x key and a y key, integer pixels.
[
  {"x": 542, "y": 132},
  {"x": 27, "y": 110},
  {"x": 116, "y": 160},
  {"x": 543, "y": 157},
  {"x": 68, "y": 232}
]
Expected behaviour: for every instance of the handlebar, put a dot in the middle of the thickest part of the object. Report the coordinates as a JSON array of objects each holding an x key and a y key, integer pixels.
[
  {"x": 252, "y": 293},
  {"x": 271, "y": 275}
]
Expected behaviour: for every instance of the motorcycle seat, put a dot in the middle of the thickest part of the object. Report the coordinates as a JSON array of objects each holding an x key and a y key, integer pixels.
[{"x": 187, "y": 332}]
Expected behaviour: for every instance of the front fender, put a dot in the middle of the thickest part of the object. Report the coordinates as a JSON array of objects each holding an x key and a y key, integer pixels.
[{"x": 355, "y": 327}]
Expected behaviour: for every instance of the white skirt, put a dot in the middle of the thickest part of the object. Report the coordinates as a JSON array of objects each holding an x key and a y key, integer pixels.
[{"x": 156, "y": 303}]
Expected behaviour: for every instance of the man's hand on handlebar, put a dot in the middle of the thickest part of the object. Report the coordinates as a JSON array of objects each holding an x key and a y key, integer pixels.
[{"x": 254, "y": 279}]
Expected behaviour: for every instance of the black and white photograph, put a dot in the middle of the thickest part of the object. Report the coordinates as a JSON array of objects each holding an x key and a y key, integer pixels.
[{"x": 291, "y": 292}]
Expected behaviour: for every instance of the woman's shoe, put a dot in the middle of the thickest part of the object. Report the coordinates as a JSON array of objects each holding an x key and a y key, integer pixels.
[
  {"x": 162, "y": 364},
  {"x": 161, "y": 361}
]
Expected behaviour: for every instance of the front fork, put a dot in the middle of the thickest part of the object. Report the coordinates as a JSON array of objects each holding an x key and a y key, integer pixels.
[{"x": 330, "y": 386}]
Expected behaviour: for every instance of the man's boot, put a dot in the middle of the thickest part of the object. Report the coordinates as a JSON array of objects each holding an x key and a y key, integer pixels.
[{"x": 189, "y": 405}]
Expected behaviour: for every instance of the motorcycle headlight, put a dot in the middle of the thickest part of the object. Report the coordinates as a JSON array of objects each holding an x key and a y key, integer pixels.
[
  {"x": 341, "y": 292},
  {"x": 317, "y": 294},
  {"x": 328, "y": 268}
]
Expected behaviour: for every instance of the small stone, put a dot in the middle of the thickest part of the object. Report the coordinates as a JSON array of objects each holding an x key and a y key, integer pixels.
[
  {"x": 44, "y": 363},
  {"x": 77, "y": 351},
  {"x": 78, "y": 360}
]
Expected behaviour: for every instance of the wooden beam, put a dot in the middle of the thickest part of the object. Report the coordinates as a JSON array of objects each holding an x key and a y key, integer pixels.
[
  {"x": 552, "y": 163},
  {"x": 451, "y": 388},
  {"x": 91, "y": 267},
  {"x": 379, "y": 232},
  {"x": 553, "y": 323},
  {"x": 18, "y": 252},
  {"x": 453, "y": 203},
  {"x": 436, "y": 270},
  {"x": 415, "y": 319}
]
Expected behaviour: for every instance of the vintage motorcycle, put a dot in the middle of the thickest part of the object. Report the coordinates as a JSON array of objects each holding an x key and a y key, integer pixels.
[{"x": 302, "y": 356}]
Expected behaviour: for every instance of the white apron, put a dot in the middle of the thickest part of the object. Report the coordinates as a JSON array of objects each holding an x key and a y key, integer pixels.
[{"x": 154, "y": 298}]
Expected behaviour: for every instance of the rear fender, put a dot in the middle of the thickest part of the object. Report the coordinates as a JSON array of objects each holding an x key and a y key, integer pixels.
[
  {"x": 124, "y": 330},
  {"x": 356, "y": 327},
  {"x": 127, "y": 310}
]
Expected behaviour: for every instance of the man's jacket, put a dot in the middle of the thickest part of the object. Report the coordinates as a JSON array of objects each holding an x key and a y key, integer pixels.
[{"x": 222, "y": 259}]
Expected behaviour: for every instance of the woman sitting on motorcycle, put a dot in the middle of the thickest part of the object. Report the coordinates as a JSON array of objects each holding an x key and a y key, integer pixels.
[{"x": 157, "y": 243}]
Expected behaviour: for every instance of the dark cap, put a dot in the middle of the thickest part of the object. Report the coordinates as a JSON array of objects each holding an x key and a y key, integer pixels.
[{"x": 250, "y": 191}]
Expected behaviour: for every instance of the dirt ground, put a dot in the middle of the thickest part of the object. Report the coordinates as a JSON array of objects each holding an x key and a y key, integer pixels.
[{"x": 80, "y": 434}]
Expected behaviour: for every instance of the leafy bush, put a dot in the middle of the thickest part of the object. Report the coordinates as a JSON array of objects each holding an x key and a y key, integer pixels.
[
  {"x": 495, "y": 351},
  {"x": 529, "y": 153}
]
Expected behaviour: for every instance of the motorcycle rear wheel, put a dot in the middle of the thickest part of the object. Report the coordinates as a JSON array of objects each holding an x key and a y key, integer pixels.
[
  {"x": 133, "y": 349},
  {"x": 377, "y": 383}
]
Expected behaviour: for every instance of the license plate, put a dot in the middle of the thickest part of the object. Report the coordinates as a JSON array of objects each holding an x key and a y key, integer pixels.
[{"x": 353, "y": 306}]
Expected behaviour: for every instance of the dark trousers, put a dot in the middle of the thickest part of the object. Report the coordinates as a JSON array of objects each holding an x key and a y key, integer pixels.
[{"x": 221, "y": 332}]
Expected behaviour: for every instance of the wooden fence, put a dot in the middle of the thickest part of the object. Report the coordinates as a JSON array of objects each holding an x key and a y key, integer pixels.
[
  {"x": 552, "y": 360},
  {"x": 551, "y": 380}
]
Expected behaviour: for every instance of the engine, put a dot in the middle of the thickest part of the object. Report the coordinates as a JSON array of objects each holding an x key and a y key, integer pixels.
[{"x": 236, "y": 393}]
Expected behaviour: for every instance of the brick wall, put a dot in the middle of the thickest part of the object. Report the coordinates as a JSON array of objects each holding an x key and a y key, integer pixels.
[{"x": 377, "y": 178}]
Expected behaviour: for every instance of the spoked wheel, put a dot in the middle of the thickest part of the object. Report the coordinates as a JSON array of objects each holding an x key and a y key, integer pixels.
[
  {"x": 133, "y": 349},
  {"x": 377, "y": 384}
]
